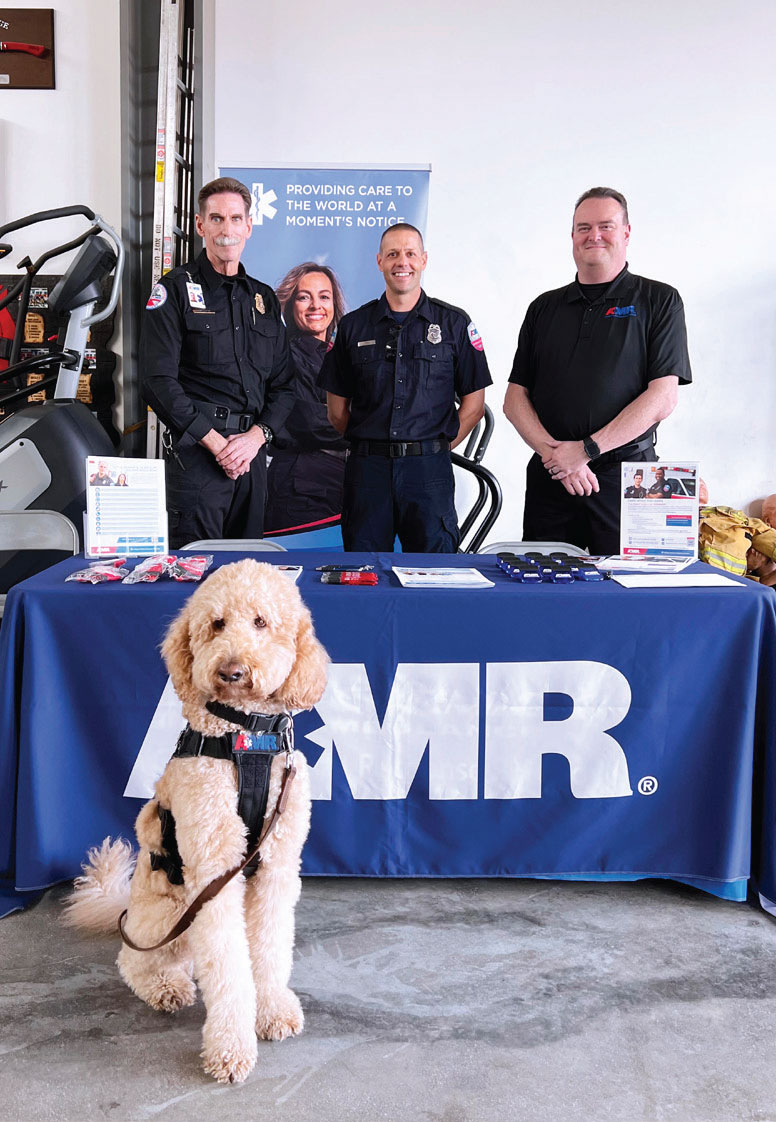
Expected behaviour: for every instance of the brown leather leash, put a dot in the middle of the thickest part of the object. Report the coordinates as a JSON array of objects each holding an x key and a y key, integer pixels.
[{"x": 211, "y": 890}]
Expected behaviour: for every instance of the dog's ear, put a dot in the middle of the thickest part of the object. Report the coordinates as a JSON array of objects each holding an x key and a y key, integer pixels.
[
  {"x": 304, "y": 686},
  {"x": 176, "y": 651}
]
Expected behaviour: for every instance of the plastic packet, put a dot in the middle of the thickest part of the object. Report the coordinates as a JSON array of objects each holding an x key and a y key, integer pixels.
[
  {"x": 190, "y": 567},
  {"x": 151, "y": 568},
  {"x": 100, "y": 571}
]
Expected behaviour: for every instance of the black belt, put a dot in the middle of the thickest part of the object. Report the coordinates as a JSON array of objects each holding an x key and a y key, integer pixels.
[
  {"x": 397, "y": 448},
  {"x": 625, "y": 452},
  {"x": 225, "y": 419}
]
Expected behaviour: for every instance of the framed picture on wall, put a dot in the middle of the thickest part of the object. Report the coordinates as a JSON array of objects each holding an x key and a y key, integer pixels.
[{"x": 27, "y": 48}]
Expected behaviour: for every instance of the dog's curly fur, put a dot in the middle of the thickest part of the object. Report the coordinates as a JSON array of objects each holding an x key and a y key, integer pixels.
[{"x": 246, "y": 617}]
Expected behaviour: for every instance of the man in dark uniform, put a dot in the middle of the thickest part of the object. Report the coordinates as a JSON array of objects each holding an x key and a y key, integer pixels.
[
  {"x": 392, "y": 378},
  {"x": 214, "y": 357},
  {"x": 597, "y": 367},
  {"x": 661, "y": 488},
  {"x": 636, "y": 491}
]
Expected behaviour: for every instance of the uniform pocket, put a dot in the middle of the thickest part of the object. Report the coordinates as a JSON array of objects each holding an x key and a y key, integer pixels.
[
  {"x": 196, "y": 345},
  {"x": 435, "y": 363},
  {"x": 262, "y": 341}
]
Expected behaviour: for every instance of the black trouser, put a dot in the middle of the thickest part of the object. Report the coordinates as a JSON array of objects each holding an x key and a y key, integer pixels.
[
  {"x": 203, "y": 502},
  {"x": 591, "y": 522},
  {"x": 411, "y": 497},
  {"x": 303, "y": 488}
]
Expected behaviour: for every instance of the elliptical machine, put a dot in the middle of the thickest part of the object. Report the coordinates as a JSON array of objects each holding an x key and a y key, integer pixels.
[{"x": 43, "y": 446}]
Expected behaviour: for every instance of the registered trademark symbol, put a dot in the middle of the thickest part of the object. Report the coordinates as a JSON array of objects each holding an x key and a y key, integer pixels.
[{"x": 647, "y": 785}]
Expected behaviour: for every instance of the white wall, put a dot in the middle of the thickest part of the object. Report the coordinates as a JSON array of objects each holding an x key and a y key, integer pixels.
[
  {"x": 519, "y": 109},
  {"x": 63, "y": 146}
]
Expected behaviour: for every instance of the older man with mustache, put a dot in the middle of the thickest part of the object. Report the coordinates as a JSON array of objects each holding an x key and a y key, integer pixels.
[{"x": 215, "y": 365}]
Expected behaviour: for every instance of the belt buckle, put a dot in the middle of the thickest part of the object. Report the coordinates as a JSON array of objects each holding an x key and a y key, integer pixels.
[
  {"x": 398, "y": 448},
  {"x": 245, "y": 422}
]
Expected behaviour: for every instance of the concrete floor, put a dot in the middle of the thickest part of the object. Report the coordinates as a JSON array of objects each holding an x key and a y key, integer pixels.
[{"x": 457, "y": 1001}]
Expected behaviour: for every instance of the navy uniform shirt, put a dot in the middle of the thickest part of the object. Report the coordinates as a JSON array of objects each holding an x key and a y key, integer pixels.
[
  {"x": 583, "y": 362},
  {"x": 220, "y": 343},
  {"x": 402, "y": 381}
]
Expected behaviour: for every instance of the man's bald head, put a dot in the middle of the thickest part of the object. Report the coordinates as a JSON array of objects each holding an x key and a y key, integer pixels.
[{"x": 769, "y": 511}]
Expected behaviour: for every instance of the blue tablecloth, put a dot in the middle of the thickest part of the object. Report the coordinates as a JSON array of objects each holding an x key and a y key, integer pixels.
[{"x": 588, "y": 731}]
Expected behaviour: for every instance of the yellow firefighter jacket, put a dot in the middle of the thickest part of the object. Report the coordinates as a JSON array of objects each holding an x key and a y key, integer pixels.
[{"x": 725, "y": 535}]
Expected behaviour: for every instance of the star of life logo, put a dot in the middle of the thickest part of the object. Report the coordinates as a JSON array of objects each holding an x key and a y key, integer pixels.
[
  {"x": 262, "y": 207},
  {"x": 436, "y": 706}
]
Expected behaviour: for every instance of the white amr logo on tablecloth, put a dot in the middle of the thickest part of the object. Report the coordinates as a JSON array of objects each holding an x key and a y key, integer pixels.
[{"x": 437, "y": 705}]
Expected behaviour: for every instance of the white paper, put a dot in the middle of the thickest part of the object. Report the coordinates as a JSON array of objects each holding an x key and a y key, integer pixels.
[
  {"x": 639, "y": 564},
  {"x": 126, "y": 513},
  {"x": 675, "y": 580},
  {"x": 436, "y": 577},
  {"x": 659, "y": 512},
  {"x": 293, "y": 572}
]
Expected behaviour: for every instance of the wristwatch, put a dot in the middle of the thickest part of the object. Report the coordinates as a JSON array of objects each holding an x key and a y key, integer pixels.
[
  {"x": 268, "y": 434},
  {"x": 591, "y": 448}
]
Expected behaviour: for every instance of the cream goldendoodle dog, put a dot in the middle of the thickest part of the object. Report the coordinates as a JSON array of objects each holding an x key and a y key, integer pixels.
[{"x": 243, "y": 644}]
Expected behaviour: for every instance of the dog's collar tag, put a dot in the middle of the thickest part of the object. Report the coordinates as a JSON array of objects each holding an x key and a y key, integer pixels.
[{"x": 258, "y": 742}]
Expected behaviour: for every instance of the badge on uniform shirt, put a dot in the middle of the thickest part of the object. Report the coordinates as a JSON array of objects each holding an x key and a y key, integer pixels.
[
  {"x": 196, "y": 299},
  {"x": 434, "y": 334},
  {"x": 157, "y": 297},
  {"x": 259, "y": 301},
  {"x": 474, "y": 337}
]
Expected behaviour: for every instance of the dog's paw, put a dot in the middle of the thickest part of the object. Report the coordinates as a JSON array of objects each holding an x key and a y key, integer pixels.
[
  {"x": 281, "y": 1017},
  {"x": 168, "y": 993},
  {"x": 231, "y": 1063}
]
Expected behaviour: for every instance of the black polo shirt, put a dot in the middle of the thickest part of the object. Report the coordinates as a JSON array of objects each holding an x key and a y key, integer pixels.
[
  {"x": 402, "y": 381},
  {"x": 206, "y": 339},
  {"x": 583, "y": 361}
]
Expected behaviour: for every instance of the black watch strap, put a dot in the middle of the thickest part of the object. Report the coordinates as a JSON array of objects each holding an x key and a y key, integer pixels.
[{"x": 591, "y": 448}]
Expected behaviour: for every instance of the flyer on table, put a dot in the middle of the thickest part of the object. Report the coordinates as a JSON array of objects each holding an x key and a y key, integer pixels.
[
  {"x": 126, "y": 512},
  {"x": 659, "y": 510}
]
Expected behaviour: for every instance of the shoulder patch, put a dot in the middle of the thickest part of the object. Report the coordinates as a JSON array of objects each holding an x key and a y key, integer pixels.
[
  {"x": 157, "y": 297},
  {"x": 474, "y": 337}
]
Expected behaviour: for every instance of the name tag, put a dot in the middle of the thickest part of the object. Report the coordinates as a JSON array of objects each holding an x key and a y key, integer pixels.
[
  {"x": 196, "y": 299},
  {"x": 367, "y": 343},
  {"x": 257, "y": 742}
]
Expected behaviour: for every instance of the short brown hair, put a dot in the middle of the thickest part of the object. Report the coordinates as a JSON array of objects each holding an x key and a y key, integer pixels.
[
  {"x": 224, "y": 186},
  {"x": 403, "y": 226},
  {"x": 604, "y": 193}
]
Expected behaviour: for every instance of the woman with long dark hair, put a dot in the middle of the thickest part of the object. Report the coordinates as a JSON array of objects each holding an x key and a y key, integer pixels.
[{"x": 305, "y": 478}]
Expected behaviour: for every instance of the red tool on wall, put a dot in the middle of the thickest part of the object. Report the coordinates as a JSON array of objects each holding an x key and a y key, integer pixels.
[{"x": 27, "y": 48}]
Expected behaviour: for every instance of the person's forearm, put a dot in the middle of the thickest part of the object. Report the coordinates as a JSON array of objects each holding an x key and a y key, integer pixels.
[
  {"x": 522, "y": 415},
  {"x": 214, "y": 441},
  {"x": 470, "y": 413},
  {"x": 338, "y": 411},
  {"x": 652, "y": 406}
]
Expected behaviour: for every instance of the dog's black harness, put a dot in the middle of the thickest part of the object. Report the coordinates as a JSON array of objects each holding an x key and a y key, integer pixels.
[{"x": 252, "y": 751}]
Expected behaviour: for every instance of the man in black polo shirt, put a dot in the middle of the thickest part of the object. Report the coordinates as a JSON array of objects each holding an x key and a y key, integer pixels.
[
  {"x": 392, "y": 378},
  {"x": 215, "y": 365},
  {"x": 597, "y": 367}
]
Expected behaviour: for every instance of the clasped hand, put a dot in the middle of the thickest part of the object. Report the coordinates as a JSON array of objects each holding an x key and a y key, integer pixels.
[
  {"x": 567, "y": 463},
  {"x": 239, "y": 451}
]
